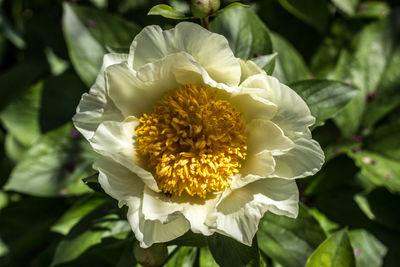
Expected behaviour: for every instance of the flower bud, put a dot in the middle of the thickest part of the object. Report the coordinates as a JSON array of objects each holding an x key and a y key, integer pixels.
[
  {"x": 203, "y": 8},
  {"x": 152, "y": 256}
]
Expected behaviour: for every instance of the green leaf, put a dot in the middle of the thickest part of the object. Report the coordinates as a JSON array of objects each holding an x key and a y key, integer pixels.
[
  {"x": 266, "y": 62},
  {"x": 335, "y": 174},
  {"x": 368, "y": 250},
  {"x": 325, "y": 98},
  {"x": 326, "y": 224},
  {"x": 228, "y": 252},
  {"x": 363, "y": 65},
  {"x": 206, "y": 259},
  {"x": 10, "y": 33},
  {"x": 246, "y": 33},
  {"x": 182, "y": 256},
  {"x": 54, "y": 166},
  {"x": 315, "y": 13},
  {"x": 380, "y": 206},
  {"x": 127, "y": 259},
  {"x": 347, "y": 6},
  {"x": 289, "y": 241},
  {"x": 13, "y": 148},
  {"x": 232, "y": 5},
  {"x": 290, "y": 66},
  {"x": 387, "y": 96},
  {"x": 73, "y": 215},
  {"x": 335, "y": 251},
  {"x": 190, "y": 239},
  {"x": 21, "y": 116},
  {"x": 380, "y": 169},
  {"x": 373, "y": 9},
  {"x": 39, "y": 214},
  {"x": 11, "y": 82},
  {"x": 73, "y": 245},
  {"x": 167, "y": 12},
  {"x": 88, "y": 33},
  {"x": 58, "y": 103},
  {"x": 385, "y": 140}
]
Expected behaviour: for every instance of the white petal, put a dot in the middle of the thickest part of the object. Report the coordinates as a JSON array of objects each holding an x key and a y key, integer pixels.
[
  {"x": 149, "y": 232},
  {"x": 256, "y": 167},
  {"x": 249, "y": 68},
  {"x": 266, "y": 135},
  {"x": 293, "y": 114},
  {"x": 116, "y": 140},
  {"x": 96, "y": 106},
  {"x": 127, "y": 188},
  {"x": 157, "y": 206},
  {"x": 210, "y": 50},
  {"x": 265, "y": 140},
  {"x": 305, "y": 159},
  {"x": 240, "y": 211},
  {"x": 252, "y": 103},
  {"x": 118, "y": 181},
  {"x": 137, "y": 92}
]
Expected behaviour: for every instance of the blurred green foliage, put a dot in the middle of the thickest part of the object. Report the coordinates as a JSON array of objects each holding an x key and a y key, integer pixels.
[{"x": 341, "y": 56}]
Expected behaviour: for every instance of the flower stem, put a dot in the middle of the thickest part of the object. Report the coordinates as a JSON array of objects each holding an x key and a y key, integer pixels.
[{"x": 204, "y": 23}]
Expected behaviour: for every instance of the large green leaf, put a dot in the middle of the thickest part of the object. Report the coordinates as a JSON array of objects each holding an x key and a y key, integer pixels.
[
  {"x": 190, "y": 239},
  {"x": 127, "y": 259},
  {"x": 289, "y": 241},
  {"x": 73, "y": 215},
  {"x": 387, "y": 96},
  {"x": 347, "y": 6},
  {"x": 315, "y": 13},
  {"x": 54, "y": 166},
  {"x": 290, "y": 66},
  {"x": 373, "y": 9},
  {"x": 89, "y": 33},
  {"x": 368, "y": 250},
  {"x": 335, "y": 174},
  {"x": 381, "y": 206},
  {"x": 45, "y": 106},
  {"x": 335, "y": 251},
  {"x": 380, "y": 169},
  {"x": 324, "y": 97},
  {"x": 247, "y": 34},
  {"x": 60, "y": 97},
  {"x": 24, "y": 227},
  {"x": 206, "y": 259},
  {"x": 182, "y": 256},
  {"x": 19, "y": 78},
  {"x": 74, "y": 244},
  {"x": 363, "y": 65},
  {"x": 228, "y": 252},
  {"x": 385, "y": 140},
  {"x": 21, "y": 116}
]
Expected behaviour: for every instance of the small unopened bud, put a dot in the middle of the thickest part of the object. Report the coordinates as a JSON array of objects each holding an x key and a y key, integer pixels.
[
  {"x": 152, "y": 256},
  {"x": 204, "y": 8}
]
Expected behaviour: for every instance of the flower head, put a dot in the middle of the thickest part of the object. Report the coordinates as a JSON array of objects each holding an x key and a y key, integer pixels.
[{"x": 191, "y": 137}]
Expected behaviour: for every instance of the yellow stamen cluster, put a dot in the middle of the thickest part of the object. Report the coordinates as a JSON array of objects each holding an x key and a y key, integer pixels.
[{"x": 193, "y": 141}]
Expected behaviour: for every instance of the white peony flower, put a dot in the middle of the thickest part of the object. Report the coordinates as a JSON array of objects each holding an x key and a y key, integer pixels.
[{"x": 191, "y": 137}]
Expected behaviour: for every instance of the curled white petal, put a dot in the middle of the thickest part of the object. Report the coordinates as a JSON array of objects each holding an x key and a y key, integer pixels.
[
  {"x": 158, "y": 206},
  {"x": 305, "y": 159},
  {"x": 210, "y": 50},
  {"x": 116, "y": 140},
  {"x": 239, "y": 211},
  {"x": 123, "y": 185},
  {"x": 96, "y": 106}
]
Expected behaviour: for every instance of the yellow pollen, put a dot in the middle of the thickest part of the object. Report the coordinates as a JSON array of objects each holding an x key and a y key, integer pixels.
[{"x": 193, "y": 142}]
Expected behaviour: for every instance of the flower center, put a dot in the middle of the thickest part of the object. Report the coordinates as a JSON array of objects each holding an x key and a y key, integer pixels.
[{"x": 193, "y": 141}]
